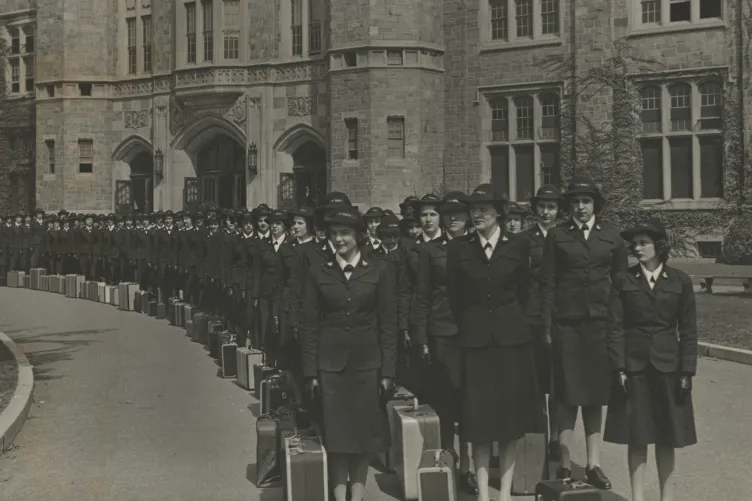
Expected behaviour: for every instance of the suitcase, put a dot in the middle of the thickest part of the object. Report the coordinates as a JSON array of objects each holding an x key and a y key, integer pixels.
[
  {"x": 161, "y": 311},
  {"x": 142, "y": 302},
  {"x": 532, "y": 464},
  {"x": 267, "y": 446},
  {"x": 123, "y": 296},
  {"x": 566, "y": 490},
  {"x": 12, "y": 279},
  {"x": 73, "y": 285},
  {"x": 190, "y": 329},
  {"x": 436, "y": 474},
  {"x": 58, "y": 284},
  {"x": 103, "y": 293},
  {"x": 261, "y": 371},
  {"x": 132, "y": 290},
  {"x": 417, "y": 431},
  {"x": 401, "y": 399},
  {"x": 216, "y": 340},
  {"x": 200, "y": 328},
  {"x": 275, "y": 393},
  {"x": 43, "y": 281},
  {"x": 94, "y": 293},
  {"x": 247, "y": 358},
  {"x": 172, "y": 314},
  {"x": 213, "y": 326},
  {"x": 188, "y": 312},
  {"x": 27, "y": 281},
  {"x": 305, "y": 472},
  {"x": 152, "y": 308},
  {"x": 229, "y": 360},
  {"x": 115, "y": 295},
  {"x": 36, "y": 274},
  {"x": 179, "y": 314}
]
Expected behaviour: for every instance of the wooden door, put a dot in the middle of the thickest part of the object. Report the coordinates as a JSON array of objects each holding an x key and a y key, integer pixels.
[
  {"x": 123, "y": 197},
  {"x": 191, "y": 199}
]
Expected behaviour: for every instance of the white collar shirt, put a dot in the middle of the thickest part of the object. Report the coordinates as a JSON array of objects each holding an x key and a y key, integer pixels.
[
  {"x": 353, "y": 262},
  {"x": 590, "y": 225},
  {"x": 651, "y": 276},
  {"x": 493, "y": 240}
]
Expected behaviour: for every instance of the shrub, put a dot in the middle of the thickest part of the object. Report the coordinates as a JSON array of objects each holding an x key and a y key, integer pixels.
[{"x": 737, "y": 244}]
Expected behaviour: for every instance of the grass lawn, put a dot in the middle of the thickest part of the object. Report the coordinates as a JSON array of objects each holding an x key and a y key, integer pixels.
[
  {"x": 8, "y": 375},
  {"x": 725, "y": 319}
]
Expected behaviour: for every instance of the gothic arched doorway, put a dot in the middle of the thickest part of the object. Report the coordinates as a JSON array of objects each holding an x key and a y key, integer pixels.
[
  {"x": 142, "y": 182},
  {"x": 220, "y": 169},
  {"x": 309, "y": 167}
]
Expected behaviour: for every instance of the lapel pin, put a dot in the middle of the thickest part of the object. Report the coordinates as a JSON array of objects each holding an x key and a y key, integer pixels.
[
  {"x": 444, "y": 242},
  {"x": 637, "y": 275},
  {"x": 504, "y": 239},
  {"x": 597, "y": 226},
  {"x": 664, "y": 275},
  {"x": 537, "y": 233},
  {"x": 364, "y": 263},
  {"x": 571, "y": 227},
  {"x": 330, "y": 264}
]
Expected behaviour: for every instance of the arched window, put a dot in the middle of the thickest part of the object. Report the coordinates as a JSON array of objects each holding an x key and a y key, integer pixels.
[
  {"x": 499, "y": 119},
  {"x": 651, "y": 109},
  {"x": 524, "y": 109},
  {"x": 681, "y": 107}
]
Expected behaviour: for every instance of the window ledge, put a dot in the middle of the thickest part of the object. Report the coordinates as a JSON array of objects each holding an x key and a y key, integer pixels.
[
  {"x": 684, "y": 204},
  {"x": 711, "y": 24},
  {"x": 496, "y": 46}
]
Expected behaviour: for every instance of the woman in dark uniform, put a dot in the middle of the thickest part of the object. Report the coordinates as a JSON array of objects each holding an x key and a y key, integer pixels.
[
  {"x": 488, "y": 281},
  {"x": 652, "y": 343},
  {"x": 546, "y": 204},
  {"x": 580, "y": 260},
  {"x": 436, "y": 333},
  {"x": 349, "y": 336}
]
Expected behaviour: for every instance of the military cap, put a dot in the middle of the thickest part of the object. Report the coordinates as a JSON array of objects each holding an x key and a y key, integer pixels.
[
  {"x": 374, "y": 212},
  {"x": 279, "y": 215},
  {"x": 390, "y": 224}
]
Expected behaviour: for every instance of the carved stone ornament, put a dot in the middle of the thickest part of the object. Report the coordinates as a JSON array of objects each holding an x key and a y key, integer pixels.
[
  {"x": 130, "y": 4},
  {"x": 255, "y": 102},
  {"x": 177, "y": 116},
  {"x": 145, "y": 4},
  {"x": 298, "y": 106},
  {"x": 136, "y": 119},
  {"x": 238, "y": 113}
]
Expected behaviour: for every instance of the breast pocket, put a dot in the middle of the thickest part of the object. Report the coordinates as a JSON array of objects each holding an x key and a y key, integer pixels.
[
  {"x": 635, "y": 301},
  {"x": 669, "y": 298}
]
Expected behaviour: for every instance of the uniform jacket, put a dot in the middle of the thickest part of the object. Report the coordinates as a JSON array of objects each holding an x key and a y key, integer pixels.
[
  {"x": 189, "y": 243},
  {"x": 39, "y": 232},
  {"x": 537, "y": 242},
  {"x": 164, "y": 245},
  {"x": 250, "y": 264},
  {"x": 269, "y": 269},
  {"x": 349, "y": 323},
  {"x": 85, "y": 240},
  {"x": 212, "y": 256},
  {"x": 6, "y": 243},
  {"x": 488, "y": 296},
  {"x": 431, "y": 314},
  {"x": 656, "y": 327},
  {"x": 576, "y": 274},
  {"x": 119, "y": 239},
  {"x": 141, "y": 245}
]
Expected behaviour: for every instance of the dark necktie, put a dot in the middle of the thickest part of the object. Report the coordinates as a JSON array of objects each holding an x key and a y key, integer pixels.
[
  {"x": 488, "y": 248},
  {"x": 652, "y": 281},
  {"x": 584, "y": 229},
  {"x": 348, "y": 268}
]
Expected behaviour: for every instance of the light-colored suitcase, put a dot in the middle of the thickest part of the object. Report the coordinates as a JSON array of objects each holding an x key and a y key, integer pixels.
[
  {"x": 417, "y": 431},
  {"x": 43, "y": 281},
  {"x": 436, "y": 476},
  {"x": 11, "y": 279},
  {"x": 306, "y": 472},
  {"x": 132, "y": 290},
  {"x": 27, "y": 282},
  {"x": 113, "y": 295},
  {"x": 102, "y": 296},
  {"x": 97, "y": 290},
  {"x": 401, "y": 399},
  {"x": 247, "y": 358},
  {"x": 36, "y": 274}
]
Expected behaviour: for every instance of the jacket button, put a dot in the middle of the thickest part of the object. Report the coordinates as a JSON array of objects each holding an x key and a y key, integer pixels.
[
  {"x": 490, "y": 310},
  {"x": 347, "y": 329},
  {"x": 347, "y": 314},
  {"x": 488, "y": 296},
  {"x": 349, "y": 299}
]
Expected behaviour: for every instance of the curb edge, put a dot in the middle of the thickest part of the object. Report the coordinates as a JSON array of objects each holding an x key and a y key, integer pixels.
[
  {"x": 14, "y": 416},
  {"x": 725, "y": 353}
]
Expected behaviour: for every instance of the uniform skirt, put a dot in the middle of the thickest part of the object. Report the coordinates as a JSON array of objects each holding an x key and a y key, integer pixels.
[
  {"x": 650, "y": 412},
  {"x": 502, "y": 398},
  {"x": 441, "y": 380},
  {"x": 582, "y": 371},
  {"x": 353, "y": 420},
  {"x": 542, "y": 354}
]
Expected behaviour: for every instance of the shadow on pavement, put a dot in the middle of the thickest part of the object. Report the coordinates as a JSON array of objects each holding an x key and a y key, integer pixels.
[{"x": 64, "y": 351}]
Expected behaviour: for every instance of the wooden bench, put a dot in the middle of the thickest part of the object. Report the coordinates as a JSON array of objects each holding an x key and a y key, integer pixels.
[{"x": 706, "y": 281}]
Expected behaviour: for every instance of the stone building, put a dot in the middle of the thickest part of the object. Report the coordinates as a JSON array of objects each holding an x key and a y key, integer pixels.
[{"x": 156, "y": 104}]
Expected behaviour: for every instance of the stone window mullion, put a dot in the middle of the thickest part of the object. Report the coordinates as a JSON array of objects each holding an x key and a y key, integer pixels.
[
  {"x": 305, "y": 19},
  {"x": 696, "y": 157},
  {"x": 665, "y": 150}
]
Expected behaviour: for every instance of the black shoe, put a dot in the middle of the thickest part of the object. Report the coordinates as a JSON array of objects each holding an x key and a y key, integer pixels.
[
  {"x": 597, "y": 478},
  {"x": 468, "y": 483},
  {"x": 563, "y": 473},
  {"x": 554, "y": 451}
]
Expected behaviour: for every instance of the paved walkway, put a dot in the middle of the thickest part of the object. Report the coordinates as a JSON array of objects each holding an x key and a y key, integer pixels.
[{"x": 128, "y": 409}]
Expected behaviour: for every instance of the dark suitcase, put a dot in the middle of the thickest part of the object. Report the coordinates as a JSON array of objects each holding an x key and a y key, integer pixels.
[
  {"x": 161, "y": 311},
  {"x": 566, "y": 490},
  {"x": 172, "y": 311},
  {"x": 275, "y": 393},
  {"x": 261, "y": 372},
  {"x": 190, "y": 329},
  {"x": 436, "y": 476},
  {"x": 229, "y": 360},
  {"x": 216, "y": 340},
  {"x": 305, "y": 469},
  {"x": 201, "y": 323},
  {"x": 152, "y": 308},
  {"x": 267, "y": 448}
]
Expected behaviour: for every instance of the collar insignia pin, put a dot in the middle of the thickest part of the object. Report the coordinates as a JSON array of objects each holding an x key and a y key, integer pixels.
[
  {"x": 664, "y": 275},
  {"x": 597, "y": 226},
  {"x": 571, "y": 227},
  {"x": 364, "y": 263},
  {"x": 637, "y": 275},
  {"x": 504, "y": 239},
  {"x": 330, "y": 264}
]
